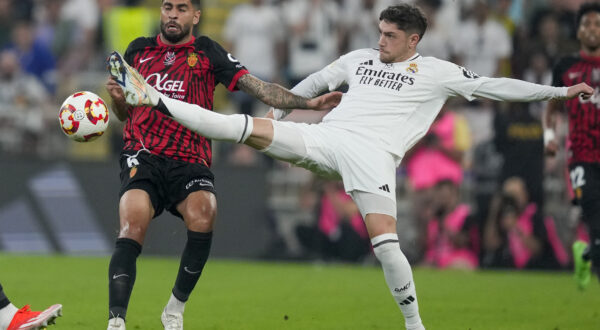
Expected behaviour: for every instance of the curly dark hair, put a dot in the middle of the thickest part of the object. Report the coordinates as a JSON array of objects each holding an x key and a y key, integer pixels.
[
  {"x": 407, "y": 18},
  {"x": 587, "y": 7}
]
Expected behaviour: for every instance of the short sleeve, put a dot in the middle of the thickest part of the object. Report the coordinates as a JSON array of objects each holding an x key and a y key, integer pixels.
[
  {"x": 457, "y": 80},
  {"x": 227, "y": 68}
]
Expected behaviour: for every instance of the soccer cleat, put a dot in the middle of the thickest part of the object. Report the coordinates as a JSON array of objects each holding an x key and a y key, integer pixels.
[
  {"x": 172, "y": 321},
  {"x": 116, "y": 323},
  {"x": 26, "y": 319},
  {"x": 137, "y": 91},
  {"x": 583, "y": 272}
]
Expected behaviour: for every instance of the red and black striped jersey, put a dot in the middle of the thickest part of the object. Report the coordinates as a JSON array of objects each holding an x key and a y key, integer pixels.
[
  {"x": 187, "y": 72},
  {"x": 584, "y": 115}
]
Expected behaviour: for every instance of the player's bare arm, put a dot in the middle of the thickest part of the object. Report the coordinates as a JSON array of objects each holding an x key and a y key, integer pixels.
[
  {"x": 119, "y": 106},
  {"x": 279, "y": 97}
]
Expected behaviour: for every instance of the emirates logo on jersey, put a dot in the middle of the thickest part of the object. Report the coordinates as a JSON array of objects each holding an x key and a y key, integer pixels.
[{"x": 169, "y": 58}]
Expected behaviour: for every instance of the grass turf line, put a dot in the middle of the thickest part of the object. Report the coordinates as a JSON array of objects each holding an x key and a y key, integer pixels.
[{"x": 258, "y": 295}]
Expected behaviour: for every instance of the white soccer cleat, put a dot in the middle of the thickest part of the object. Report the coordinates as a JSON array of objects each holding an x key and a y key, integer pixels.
[
  {"x": 116, "y": 323},
  {"x": 137, "y": 91},
  {"x": 172, "y": 321}
]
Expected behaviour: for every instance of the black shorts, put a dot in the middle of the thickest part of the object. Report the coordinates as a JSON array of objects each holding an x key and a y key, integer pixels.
[
  {"x": 585, "y": 180},
  {"x": 167, "y": 181}
]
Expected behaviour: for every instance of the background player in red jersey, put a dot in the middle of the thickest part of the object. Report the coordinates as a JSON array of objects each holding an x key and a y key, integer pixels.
[
  {"x": 584, "y": 134},
  {"x": 165, "y": 165}
]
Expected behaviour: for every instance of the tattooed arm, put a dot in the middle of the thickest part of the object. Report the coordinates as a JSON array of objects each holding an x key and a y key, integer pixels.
[{"x": 279, "y": 97}]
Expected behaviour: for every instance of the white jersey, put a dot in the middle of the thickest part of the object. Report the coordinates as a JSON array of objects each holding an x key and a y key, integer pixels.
[{"x": 394, "y": 104}]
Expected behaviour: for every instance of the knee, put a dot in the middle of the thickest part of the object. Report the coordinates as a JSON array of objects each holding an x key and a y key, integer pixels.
[
  {"x": 200, "y": 219},
  {"x": 134, "y": 230}
]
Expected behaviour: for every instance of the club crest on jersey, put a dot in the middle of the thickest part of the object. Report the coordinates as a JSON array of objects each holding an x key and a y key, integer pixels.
[
  {"x": 412, "y": 68},
  {"x": 169, "y": 58},
  {"x": 192, "y": 59}
]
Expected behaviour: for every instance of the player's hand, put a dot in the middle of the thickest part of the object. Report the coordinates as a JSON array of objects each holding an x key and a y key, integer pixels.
[
  {"x": 115, "y": 91},
  {"x": 325, "y": 102},
  {"x": 582, "y": 89},
  {"x": 551, "y": 148}
]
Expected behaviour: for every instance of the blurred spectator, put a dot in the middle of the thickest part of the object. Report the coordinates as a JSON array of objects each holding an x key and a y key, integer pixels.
[
  {"x": 6, "y": 21},
  {"x": 452, "y": 234},
  {"x": 35, "y": 58},
  {"x": 340, "y": 232},
  {"x": 519, "y": 139},
  {"x": 484, "y": 43},
  {"x": 23, "y": 100},
  {"x": 79, "y": 22},
  {"x": 254, "y": 35},
  {"x": 437, "y": 157},
  {"x": 313, "y": 43},
  {"x": 437, "y": 42},
  {"x": 124, "y": 23},
  {"x": 515, "y": 234},
  {"x": 361, "y": 21}
]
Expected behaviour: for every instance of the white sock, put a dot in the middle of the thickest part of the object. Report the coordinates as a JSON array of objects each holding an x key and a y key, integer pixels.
[
  {"x": 233, "y": 128},
  {"x": 398, "y": 276},
  {"x": 116, "y": 322},
  {"x": 175, "y": 305},
  {"x": 6, "y": 315}
]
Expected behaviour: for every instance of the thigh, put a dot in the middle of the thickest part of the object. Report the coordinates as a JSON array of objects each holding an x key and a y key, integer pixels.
[
  {"x": 135, "y": 213},
  {"x": 369, "y": 203},
  {"x": 142, "y": 171},
  {"x": 182, "y": 181},
  {"x": 199, "y": 211}
]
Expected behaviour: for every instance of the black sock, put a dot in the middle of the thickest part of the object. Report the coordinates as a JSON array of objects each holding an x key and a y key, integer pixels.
[
  {"x": 121, "y": 276},
  {"x": 3, "y": 298},
  {"x": 193, "y": 259},
  {"x": 594, "y": 247},
  {"x": 163, "y": 108}
]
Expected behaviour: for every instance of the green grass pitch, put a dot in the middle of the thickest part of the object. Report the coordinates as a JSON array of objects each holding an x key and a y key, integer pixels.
[{"x": 258, "y": 295}]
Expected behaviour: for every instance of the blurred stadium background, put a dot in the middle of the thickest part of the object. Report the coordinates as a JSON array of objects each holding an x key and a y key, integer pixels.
[{"x": 60, "y": 197}]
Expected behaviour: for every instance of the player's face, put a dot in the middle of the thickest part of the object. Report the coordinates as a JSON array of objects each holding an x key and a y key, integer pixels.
[
  {"x": 177, "y": 18},
  {"x": 589, "y": 31},
  {"x": 395, "y": 45}
]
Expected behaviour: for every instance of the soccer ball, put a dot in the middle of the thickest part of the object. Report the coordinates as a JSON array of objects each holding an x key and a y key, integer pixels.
[{"x": 83, "y": 116}]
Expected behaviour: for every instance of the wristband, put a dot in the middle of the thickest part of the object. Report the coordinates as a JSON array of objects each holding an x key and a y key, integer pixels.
[{"x": 549, "y": 135}]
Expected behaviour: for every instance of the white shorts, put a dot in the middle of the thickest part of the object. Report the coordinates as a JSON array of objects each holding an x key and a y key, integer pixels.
[{"x": 336, "y": 153}]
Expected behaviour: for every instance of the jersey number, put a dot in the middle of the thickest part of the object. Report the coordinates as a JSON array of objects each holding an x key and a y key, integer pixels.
[{"x": 577, "y": 177}]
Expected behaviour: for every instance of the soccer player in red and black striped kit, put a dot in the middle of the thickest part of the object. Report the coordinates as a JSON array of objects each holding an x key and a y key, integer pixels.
[
  {"x": 584, "y": 135},
  {"x": 165, "y": 165}
]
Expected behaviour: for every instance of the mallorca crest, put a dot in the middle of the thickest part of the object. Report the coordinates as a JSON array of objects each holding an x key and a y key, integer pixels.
[
  {"x": 192, "y": 59},
  {"x": 169, "y": 58},
  {"x": 413, "y": 68}
]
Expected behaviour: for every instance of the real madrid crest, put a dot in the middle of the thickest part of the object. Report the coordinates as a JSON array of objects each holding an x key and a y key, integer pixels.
[
  {"x": 192, "y": 59},
  {"x": 413, "y": 68}
]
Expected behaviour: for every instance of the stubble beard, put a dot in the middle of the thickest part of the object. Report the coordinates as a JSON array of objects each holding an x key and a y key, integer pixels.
[{"x": 175, "y": 38}]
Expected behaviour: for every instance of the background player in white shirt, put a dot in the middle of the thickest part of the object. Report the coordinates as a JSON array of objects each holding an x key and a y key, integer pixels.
[{"x": 393, "y": 97}]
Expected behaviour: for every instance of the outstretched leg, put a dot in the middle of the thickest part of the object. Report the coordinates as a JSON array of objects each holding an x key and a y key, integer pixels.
[{"x": 381, "y": 224}]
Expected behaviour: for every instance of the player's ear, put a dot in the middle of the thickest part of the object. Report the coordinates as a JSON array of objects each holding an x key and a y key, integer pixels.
[
  {"x": 413, "y": 40},
  {"x": 197, "y": 15}
]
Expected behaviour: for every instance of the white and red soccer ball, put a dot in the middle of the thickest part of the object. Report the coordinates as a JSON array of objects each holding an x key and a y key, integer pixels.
[{"x": 83, "y": 116}]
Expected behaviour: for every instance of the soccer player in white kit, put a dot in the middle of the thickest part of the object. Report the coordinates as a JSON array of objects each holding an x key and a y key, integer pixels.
[{"x": 393, "y": 97}]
